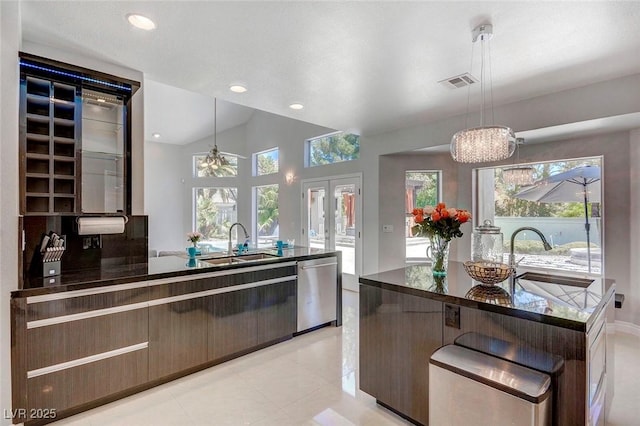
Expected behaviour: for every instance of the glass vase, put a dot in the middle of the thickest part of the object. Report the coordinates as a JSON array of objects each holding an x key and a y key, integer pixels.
[
  {"x": 438, "y": 253},
  {"x": 192, "y": 252}
]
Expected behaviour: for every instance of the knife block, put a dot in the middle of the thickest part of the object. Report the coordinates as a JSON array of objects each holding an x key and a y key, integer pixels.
[{"x": 50, "y": 269}]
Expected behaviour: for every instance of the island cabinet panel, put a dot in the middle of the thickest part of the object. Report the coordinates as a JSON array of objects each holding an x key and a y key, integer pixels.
[
  {"x": 398, "y": 332},
  {"x": 177, "y": 336},
  {"x": 570, "y": 398},
  {"x": 233, "y": 322}
]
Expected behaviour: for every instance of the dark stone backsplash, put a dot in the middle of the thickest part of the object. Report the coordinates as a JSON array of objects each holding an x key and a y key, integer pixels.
[{"x": 130, "y": 247}]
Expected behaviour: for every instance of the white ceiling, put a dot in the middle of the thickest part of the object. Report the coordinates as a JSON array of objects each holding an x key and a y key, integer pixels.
[
  {"x": 182, "y": 117},
  {"x": 367, "y": 67}
]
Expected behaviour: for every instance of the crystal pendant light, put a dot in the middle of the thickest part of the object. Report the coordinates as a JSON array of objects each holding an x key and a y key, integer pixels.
[
  {"x": 518, "y": 175},
  {"x": 484, "y": 143},
  {"x": 214, "y": 159}
]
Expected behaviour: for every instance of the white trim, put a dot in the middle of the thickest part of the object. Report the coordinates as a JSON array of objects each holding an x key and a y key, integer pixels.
[
  {"x": 627, "y": 327},
  {"x": 86, "y": 360},
  {"x": 150, "y": 283},
  {"x": 84, "y": 315},
  {"x": 220, "y": 290},
  {"x": 155, "y": 302}
]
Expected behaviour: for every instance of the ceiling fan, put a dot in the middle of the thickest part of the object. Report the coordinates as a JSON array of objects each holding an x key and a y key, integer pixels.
[{"x": 215, "y": 158}]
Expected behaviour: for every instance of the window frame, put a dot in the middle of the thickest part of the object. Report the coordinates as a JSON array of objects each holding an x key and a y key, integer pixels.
[
  {"x": 194, "y": 166},
  {"x": 483, "y": 210},
  {"x": 194, "y": 200},
  {"x": 254, "y": 161},
  {"x": 254, "y": 213},
  {"x": 408, "y": 215},
  {"x": 308, "y": 150}
]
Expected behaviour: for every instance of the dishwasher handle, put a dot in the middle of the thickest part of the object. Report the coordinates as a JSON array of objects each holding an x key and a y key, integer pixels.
[{"x": 317, "y": 266}]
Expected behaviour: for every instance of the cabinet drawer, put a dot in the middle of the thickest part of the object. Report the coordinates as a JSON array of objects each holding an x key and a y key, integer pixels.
[
  {"x": 63, "y": 342},
  {"x": 76, "y": 385}
]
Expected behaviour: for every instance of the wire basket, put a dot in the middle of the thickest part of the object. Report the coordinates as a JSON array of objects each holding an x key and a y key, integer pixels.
[{"x": 488, "y": 273}]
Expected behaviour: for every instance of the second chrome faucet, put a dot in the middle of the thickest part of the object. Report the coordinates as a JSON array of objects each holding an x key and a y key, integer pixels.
[{"x": 512, "y": 259}]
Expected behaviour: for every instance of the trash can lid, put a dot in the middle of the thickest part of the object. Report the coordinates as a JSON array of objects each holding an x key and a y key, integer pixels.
[{"x": 506, "y": 376}]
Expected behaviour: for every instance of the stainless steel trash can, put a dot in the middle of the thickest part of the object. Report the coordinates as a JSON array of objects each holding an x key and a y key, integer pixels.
[{"x": 467, "y": 387}]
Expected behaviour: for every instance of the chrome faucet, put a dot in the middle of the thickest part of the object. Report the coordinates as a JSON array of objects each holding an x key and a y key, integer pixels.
[
  {"x": 246, "y": 236},
  {"x": 512, "y": 258}
]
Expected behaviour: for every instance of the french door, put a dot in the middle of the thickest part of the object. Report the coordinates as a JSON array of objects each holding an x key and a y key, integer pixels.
[{"x": 332, "y": 220}]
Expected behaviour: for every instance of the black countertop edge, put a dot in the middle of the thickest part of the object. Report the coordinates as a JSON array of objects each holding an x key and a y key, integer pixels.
[
  {"x": 143, "y": 276},
  {"x": 514, "y": 312}
]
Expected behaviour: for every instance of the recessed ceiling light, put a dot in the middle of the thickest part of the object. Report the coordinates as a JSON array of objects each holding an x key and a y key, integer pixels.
[
  {"x": 156, "y": 135},
  {"x": 140, "y": 21},
  {"x": 296, "y": 105},
  {"x": 238, "y": 88}
]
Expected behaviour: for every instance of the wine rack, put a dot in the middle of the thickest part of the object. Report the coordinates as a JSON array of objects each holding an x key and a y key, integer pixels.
[{"x": 49, "y": 133}]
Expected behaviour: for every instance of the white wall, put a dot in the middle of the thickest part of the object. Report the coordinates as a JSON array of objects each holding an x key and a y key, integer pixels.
[
  {"x": 631, "y": 307},
  {"x": 9, "y": 76},
  {"x": 163, "y": 196},
  {"x": 263, "y": 131}
]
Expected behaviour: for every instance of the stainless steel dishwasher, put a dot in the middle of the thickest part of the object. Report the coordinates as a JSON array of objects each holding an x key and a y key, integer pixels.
[{"x": 317, "y": 292}]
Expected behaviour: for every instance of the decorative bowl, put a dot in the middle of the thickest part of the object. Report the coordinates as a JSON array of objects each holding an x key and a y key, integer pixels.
[
  {"x": 495, "y": 295},
  {"x": 488, "y": 273}
]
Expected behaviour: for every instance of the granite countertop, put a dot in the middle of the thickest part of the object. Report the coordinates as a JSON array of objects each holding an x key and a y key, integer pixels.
[
  {"x": 561, "y": 305},
  {"x": 155, "y": 268}
]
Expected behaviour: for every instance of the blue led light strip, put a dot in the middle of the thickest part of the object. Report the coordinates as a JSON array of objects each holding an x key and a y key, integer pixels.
[{"x": 81, "y": 77}]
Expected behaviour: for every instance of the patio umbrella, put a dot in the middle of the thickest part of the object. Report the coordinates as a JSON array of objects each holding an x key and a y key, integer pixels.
[{"x": 573, "y": 185}]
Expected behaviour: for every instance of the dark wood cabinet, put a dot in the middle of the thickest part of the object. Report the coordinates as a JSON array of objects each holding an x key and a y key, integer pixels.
[
  {"x": 177, "y": 337},
  {"x": 79, "y": 349},
  {"x": 49, "y": 133},
  {"x": 232, "y": 323},
  {"x": 276, "y": 317},
  {"x": 397, "y": 333},
  {"x": 74, "y": 139},
  {"x": 243, "y": 319}
]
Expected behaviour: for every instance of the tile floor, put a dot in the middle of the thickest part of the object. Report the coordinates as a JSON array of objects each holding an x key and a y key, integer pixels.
[{"x": 309, "y": 380}]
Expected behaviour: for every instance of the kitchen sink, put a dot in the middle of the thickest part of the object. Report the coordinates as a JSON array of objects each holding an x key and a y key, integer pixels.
[
  {"x": 555, "y": 279},
  {"x": 232, "y": 260},
  {"x": 253, "y": 257},
  {"x": 222, "y": 261}
]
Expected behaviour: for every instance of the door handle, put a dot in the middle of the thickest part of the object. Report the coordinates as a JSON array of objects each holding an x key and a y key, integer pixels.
[{"x": 318, "y": 266}]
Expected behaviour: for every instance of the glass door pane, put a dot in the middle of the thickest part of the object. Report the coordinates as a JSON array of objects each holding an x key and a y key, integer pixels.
[
  {"x": 102, "y": 152},
  {"x": 344, "y": 232},
  {"x": 316, "y": 232}
]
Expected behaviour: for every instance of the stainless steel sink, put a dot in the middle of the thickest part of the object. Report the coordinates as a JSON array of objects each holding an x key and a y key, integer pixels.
[
  {"x": 253, "y": 257},
  {"x": 222, "y": 261},
  {"x": 231, "y": 260},
  {"x": 555, "y": 279}
]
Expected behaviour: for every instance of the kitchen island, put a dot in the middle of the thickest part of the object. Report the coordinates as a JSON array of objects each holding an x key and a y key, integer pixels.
[
  {"x": 85, "y": 338},
  {"x": 406, "y": 314}
]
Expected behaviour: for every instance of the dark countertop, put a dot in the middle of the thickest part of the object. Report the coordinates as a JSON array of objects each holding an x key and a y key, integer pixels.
[
  {"x": 560, "y": 305},
  {"x": 156, "y": 268}
]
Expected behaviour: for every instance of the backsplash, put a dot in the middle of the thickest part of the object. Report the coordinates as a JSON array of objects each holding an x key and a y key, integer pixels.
[{"x": 84, "y": 252}]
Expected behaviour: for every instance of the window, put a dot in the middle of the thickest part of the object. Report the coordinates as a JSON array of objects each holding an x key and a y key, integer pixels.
[
  {"x": 422, "y": 188},
  {"x": 266, "y": 227},
  {"x": 201, "y": 170},
  {"x": 265, "y": 162},
  {"x": 215, "y": 211},
  {"x": 332, "y": 148},
  {"x": 559, "y": 215}
]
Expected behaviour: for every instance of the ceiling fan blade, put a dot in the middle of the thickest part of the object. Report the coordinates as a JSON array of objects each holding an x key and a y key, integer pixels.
[{"x": 232, "y": 154}]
